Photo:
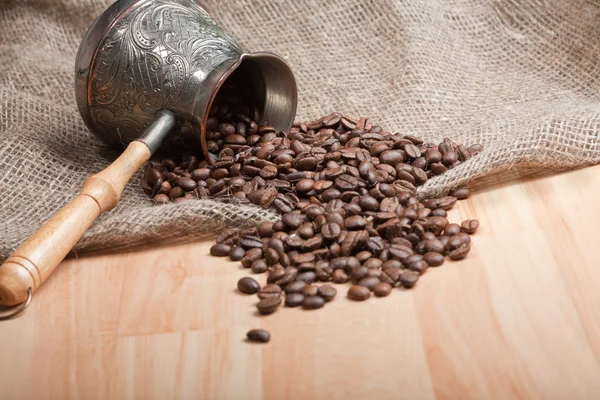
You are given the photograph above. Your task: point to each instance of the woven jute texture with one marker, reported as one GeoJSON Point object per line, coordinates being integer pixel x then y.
{"type": "Point", "coordinates": [520, 77]}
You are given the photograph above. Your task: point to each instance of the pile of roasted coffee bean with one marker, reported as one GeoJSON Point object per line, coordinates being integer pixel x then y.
{"type": "Point", "coordinates": [346, 193]}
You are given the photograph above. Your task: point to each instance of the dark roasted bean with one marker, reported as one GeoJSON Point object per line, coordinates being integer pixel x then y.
{"type": "Point", "coordinates": [313, 302]}
{"type": "Point", "coordinates": [268, 305]}
{"type": "Point", "coordinates": [258, 335]}
{"type": "Point", "coordinates": [220, 250]}
{"type": "Point", "coordinates": [469, 226]}
{"type": "Point", "coordinates": [359, 293]}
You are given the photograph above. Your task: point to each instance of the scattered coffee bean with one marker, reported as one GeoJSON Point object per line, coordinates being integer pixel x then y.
{"type": "Point", "coordinates": [248, 285]}
{"type": "Point", "coordinates": [359, 293]}
{"type": "Point", "coordinates": [269, 291]}
{"type": "Point", "coordinates": [294, 299]}
{"type": "Point", "coordinates": [469, 226]}
{"type": "Point", "coordinates": [220, 250]}
{"type": "Point", "coordinates": [382, 289]}
{"type": "Point", "coordinates": [236, 253]}
{"type": "Point", "coordinates": [258, 335]}
{"type": "Point", "coordinates": [313, 302]}
{"type": "Point", "coordinates": [268, 305]}
{"type": "Point", "coordinates": [327, 292]}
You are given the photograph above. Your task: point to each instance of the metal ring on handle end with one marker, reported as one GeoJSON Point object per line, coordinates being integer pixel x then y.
{"type": "Point", "coordinates": [14, 311]}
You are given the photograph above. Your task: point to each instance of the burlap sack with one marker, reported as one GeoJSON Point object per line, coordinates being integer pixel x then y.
{"type": "Point", "coordinates": [519, 76]}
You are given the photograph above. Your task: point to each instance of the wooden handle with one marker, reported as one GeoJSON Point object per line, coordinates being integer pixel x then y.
{"type": "Point", "coordinates": [36, 259]}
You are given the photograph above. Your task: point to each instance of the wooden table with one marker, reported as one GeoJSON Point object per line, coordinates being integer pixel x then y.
{"type": "Point", "coordinates": [519, 318]}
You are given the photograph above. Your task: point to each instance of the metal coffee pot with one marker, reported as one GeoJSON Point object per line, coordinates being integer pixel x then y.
{"type": "Point", "coordinates": [145, 69]}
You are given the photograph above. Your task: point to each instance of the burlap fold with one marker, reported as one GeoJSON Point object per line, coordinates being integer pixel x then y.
{"type": "Point", "coordinates": [520, 77]}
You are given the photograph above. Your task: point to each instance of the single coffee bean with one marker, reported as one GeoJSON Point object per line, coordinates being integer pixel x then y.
{"type": "Point", "coordinates": [308, 277]}
{"type": "Point", "coordinates": [460, 193]}
{"type": "Point", "coordinates": [269, 291]}
{"type": "Point", "coordinates": [258, 335]}
{"type": "Point", "coordinates": [292, 220]}
{"type": "Point", "coordinates": [434, 246]}
{"type": "Point", "coordinates": [310, 290]}
{"type": "Point", "coordinates": [259, 266]}
{"type": "Point", "coordinates": [382, 289]}
{"type": "Point", "coordinates": [469, 226]}
{"type": "Point", "coordinates": [460, 252]}
{"type": "Point", "coordinates": [339, 276]}
{"type": "Point", "coordinates": [313, 302]}
{"type": "Point", "coordinates": [248, 285]}
{"type": "Point", "coordinates": [271, 256]}
{"type": "Point", "coordinates": [250, 242]}
{"type": "Point", "coordinates": [390, 275]}
{"type": "Point", "coordinates": [236, 253]}
{"type": "Point", "coordinates": [359, 293]}
{"type": "Point", "coordinates": [433, 259]}
{"type": "Point", "coordinates": [409, 278]}
{"type": "Point", "coordinates": [418, 266]}
{"type": "Point", "coordinates": [331, 231]}
{"type": "Point", "coordinates": [268, 305]}
{"type": "Point", "coordinates": [306, 231]}
{"type": "Point", "coordinates": [265, 229]}
{"type": "Point", "coordinates": [355, 222]}
{"type": "Point", "coordinates": [220, 250]}
{"type": "Point", "coordinates": [327, 292]}
{"type": "Point", "coordinates": [452, 229]}
{"type": "Point", "coordinates": [294, 299]}
{"type": "Point", "coordinates": [295, 287]}
{"type": "Point", "coordinates": [369, 282]}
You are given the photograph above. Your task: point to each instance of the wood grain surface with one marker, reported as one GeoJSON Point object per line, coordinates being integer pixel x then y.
{"type": "Point", "coordinates": [518, 319]}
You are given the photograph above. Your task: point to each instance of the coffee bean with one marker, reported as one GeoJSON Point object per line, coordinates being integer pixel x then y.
{"type": "Point", "coordinates": [408, 278]}
{"type": "Point", "coordinates": [295, 287]}
{"type": "Point", "coordinates": [306, 231]}
{"type": "Point", "coordinates": [444, 202]}
{"type": "Point", "coordinates": [391, 157]}
{"type": "Point", "coordinates": [369, 282]}
{"type": "Point", "coordinates": [259, 266]}
{"type": "Point", "coordinates": [355, 222]}
{"type": "Point", "coordinates": [412, 151]}
{"type": "Point", "coordinates": [305, 185]}
{"type": "Point", "coordinates": [313, 302]}
{"type": "Point", "coordinates": [258, 335]}
{"type": "Point", "coordinates": [289, 277]}
{"type": "Point", "coordinates": [452, 229]}
{"type": "Point", "coordinates": [236, 253]}
{"type": "Point", "coordinates": [271, 256]}
{"type": "Point", "coordinates": [294, 299]}
{"type": "Point", "coordinates": [327, 292]}
{"type": "Point", "coordinates": [331, 231]}
{"type": "Point", "coordinates": [250, 242]}
{"type": "Point", "coordinates": [248, 285]}
{"type": "Point", "coordinates": [460, 252]}
{"type": "Point", "coordinates": [339, 276]}
{"type": "Point", "coordinates": [434, 246]}
{"type": "Point", "coordinates": [418, 266]}
{"type": "Point", "coordinates": [449, 158]}
{"type": "Point", "coordinates": [268, 305]}
{"type": "Point", "coordinates": [310, 290]}
{"type": "Point", "coordinates": [460, 193]}
{"type": "Point", "coordinates": [359, 293]}
{"type": "Point", "coordinates": [269, 291]}
{"type": "Point", "coordinates": [382, 289]}
{"type": "Point", "coordinates": [469, 226]}
{"type": "Point", "coordinates": [220, 250]}
{"type": "Point", "coordinates": [433, 259]}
